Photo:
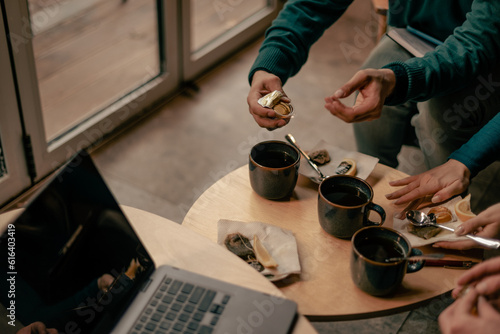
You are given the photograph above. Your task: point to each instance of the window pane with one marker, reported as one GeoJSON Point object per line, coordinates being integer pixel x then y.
{"type": "Point", "coordinates": [88, 54]}
{"type": "Point", "coordinates": [211, 19]}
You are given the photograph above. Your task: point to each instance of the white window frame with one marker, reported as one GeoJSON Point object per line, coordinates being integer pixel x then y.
{"type": "Point", "coordinates": [17, 179]}
{"type": "Point", "coordinates": [194, 64]}
{"type": "Point", "coordinates": [49, 156]}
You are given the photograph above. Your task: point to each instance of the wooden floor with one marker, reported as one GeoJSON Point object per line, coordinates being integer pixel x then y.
{"type": "Point", "coordinates": [102, 52]}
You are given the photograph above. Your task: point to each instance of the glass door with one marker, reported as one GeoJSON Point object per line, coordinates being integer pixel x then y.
{"type": "Point", "coordinates": [74, 71]}
{"type": "Point", "coordinates": [212, 30]}
{"type": "Point", "coordinates": [14, 176]}
{"type": "Point", "coordinates": [84, 68]}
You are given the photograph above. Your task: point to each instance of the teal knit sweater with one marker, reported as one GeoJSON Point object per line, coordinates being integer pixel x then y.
{"type": "Point", "coordinates": [470, 30]}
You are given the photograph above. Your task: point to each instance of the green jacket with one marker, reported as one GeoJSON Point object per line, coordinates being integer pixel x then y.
{"type": "Point", "coordinates": [482, 149]}
{"type": "Point", "coordinates": [471, 50]}
{"type": "Point", "coordinates": [469, 29]}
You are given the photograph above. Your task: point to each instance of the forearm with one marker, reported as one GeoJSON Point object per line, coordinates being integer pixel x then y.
{"type": "Point", "coordinates": [482, 149]}
{"type": "Point", "coordinates": [298, 26]}
{"type": "Point", "coordinates": [473, 49]}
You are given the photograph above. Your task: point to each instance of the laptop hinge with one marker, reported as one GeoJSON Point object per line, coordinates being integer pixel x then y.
{"type": "Point", "coordinates": [30, 158]}
{"type": "Point", "coordinates": [146, 285]}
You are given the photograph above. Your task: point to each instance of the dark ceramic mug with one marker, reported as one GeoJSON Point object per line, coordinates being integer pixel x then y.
{"type": "Point", "coordinates": [370, 272]}
{"type": "Point", "coordinates": [274, 169]}
{"type": "Point", "coordinates": [344, 205]}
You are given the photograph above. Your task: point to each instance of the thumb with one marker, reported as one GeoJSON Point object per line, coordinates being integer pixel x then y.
{"type": "Point", "coordinates": [351, 86]}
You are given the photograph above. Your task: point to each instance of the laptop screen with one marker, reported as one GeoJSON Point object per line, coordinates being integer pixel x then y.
{"type": "Point", "coordinates": [71, 260]}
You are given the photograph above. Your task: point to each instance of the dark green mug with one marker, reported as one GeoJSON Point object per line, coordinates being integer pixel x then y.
{"type": "Point", "coordinates": [274, 169]}
{"type": "Point", "coordinates": [371, 270]}
{"type": "Point", "coordinates": [344, 205]}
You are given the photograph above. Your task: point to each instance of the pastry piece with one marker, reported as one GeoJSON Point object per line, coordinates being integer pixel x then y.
{"type": "Point", "coordinates": [442, 214]}
{"type": "Point", "coordinates": [320, 157]}
{"type": "Point", "coordinates": [346, 167]}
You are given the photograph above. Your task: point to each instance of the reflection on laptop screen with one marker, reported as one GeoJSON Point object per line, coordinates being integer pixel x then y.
{"type": "Point", "coordinates": [77, 260]}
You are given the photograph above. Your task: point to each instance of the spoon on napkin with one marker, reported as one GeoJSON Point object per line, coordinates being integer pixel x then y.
{"type": "Point", "coordinates": [292, 141]}
{"type": "Point", "coordinates": [418, 218]}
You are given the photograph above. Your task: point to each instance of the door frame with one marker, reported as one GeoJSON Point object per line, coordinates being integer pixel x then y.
{"type": "Point", "coordinates": [194, 64]}
{"type": "Point", "coordinates": [49, 156]}
{"type": "Point", "coordinates": [11, 133]}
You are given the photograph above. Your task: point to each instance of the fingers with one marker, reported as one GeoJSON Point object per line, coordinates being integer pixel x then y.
{"type": "Point", "coordinates": [459, 245]}
{"type": "Point", "coordinates": [373, 86]}
{"type": "Point", "coordinates": [457, 316]}
{"type": "Point", "coordinates": [486, 268]}
{"type": "Point", "coordinates": [353, 114]}
{"type": "Point", "coordinates": [357, 81]}
{"type": "Point", "coordinates": [472, 225]}
{"type": "Point", "coordinates": [403, 182]}
{"type": "Point", "coordinates": [412, 191]}
{"type": "Point", "coordinates": [467, 303]}
{"type": "Point", "coordinates": [485, 309]}
{"type": "Point", "coordinates": [489, 285]}
{"type": "Point", "coordinates": [408, 197]}
{"type": "Point", "coordinates": [37, 328]}
{"type": "Point", "coordinates": [454, 188]}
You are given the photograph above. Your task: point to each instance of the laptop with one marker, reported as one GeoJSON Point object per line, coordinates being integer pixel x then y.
{"type": "Point", "coordinates": [73, 261]}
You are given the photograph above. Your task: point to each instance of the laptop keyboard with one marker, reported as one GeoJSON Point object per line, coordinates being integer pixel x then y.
{"type": "Point", "coordinates": [179, 307]}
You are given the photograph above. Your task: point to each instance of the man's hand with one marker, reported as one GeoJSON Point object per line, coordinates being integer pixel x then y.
{"type": "Point", "coordinates": [443, 182]}
{"type": "Point", "coordinates": [264, 83]}
{"type": "Point", "coordinates": [471, 313]}
{"type": "Point", "coordinates": [374, 87]}
{"type": "Point", "coordinates": [484, 277]}
{"type": "Point", "coordinates": [104, 282]}
{"type": "Point", "coordinates": [486, 224]}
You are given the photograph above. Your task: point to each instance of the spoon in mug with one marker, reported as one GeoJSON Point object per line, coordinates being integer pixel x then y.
{"type": "Point", "coordinates": [418, 218]}
{"type": "Point", "coordinates": [433, 256]}
{"type": "Point", "coordinates": [292, 141]}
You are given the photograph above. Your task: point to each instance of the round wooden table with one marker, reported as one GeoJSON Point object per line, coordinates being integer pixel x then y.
{"type": "Point", "coordinates": [163, 238]}
{"type": "Point", "coordinates": [324, 290]}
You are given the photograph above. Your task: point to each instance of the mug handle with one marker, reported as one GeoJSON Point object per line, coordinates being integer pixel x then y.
{"type": "Point", "coordinates": [415, 266]}
{"type": "Point", "coordinates": [379, 210]}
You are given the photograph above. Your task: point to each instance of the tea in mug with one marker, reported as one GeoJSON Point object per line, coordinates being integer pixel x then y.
{"type": "Point", "coordinates": [274, 159]}
{"type": "Point", "coordinates": [379, 249]}
{"type": "Point", "coordinates": [346, 196]}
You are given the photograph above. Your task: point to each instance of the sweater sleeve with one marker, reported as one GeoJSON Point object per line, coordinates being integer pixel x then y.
{"type": "Point", "coordinates": [298, 26]}
{"type": "Point", "coordinates": [482, 149]}
{"type": "Point", "coordinates": [473, 49]}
